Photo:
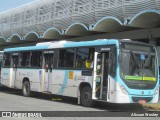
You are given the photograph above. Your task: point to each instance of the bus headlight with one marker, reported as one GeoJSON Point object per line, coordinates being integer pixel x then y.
{"type": "Point", "coordinates": [157, 91]}
{"type": "Point", "coordinates": [123, 89]}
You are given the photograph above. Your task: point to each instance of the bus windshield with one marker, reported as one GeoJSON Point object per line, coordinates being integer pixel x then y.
{"type": "Point", "coordinates": [138, 68]}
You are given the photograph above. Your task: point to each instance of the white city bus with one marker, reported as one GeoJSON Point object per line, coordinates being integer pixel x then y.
{"type": "Point", "coordinates": [114, 71]}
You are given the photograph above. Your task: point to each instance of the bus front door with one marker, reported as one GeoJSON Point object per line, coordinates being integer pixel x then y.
{"type": "Point", "coordinates": [100, 80]}
{"type": "Point", "coordinates": [48, 71]}
{"type": "Point", "coordinates": [14, 71]}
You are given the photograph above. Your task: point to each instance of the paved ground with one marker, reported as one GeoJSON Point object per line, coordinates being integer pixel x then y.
{"type": "Point", "coordinates": [12, 100]}
{"type": "Point", "coordinates": [43, 102]}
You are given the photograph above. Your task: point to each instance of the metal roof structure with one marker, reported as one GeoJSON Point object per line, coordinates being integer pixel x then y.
{"type": "Point", "coordinates": [60, 19]}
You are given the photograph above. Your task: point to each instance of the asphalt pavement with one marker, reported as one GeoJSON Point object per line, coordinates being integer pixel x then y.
{"type": "Point", "coordinates": [13, 100]}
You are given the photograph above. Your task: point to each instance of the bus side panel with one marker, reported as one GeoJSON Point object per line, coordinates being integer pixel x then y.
{"type": "Point", "coordinates": [66, 82]}
{"type": "Point", "coordinates": [6, 76]}
{"type": "Point", "coordinates": [75, 78]}
{"type": "Point", "coordinates": [71, 84]}
{"type": "Point", "coordinates": [57, 82]}
{"type": "Point", "coordinates": [33, 75]}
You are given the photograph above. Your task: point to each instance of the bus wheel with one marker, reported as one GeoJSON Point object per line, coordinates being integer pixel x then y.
{"type": "Point", "coordinates": [86, 96]}
{"type": "Point", "coordinates": [26, 89]}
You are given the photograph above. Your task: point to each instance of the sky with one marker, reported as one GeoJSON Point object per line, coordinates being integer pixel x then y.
{"type": "Point", "coordinates": [9, 4]}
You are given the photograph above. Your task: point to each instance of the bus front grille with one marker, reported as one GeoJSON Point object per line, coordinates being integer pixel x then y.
{"type": "Point", "coordinates": [147, 99]}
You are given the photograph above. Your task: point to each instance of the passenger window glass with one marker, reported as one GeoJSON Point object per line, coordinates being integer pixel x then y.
{"type": "Point", "coordinates": [7, 60]}
{"type": "Point", "coordinates": [66, 58]}
{"type": "Point", "coordinates": [25, 59]}
{"type": "Point", "coordinates": [49, 60]}
{"type": "Point", "coordinates": [15, 60]}
{"type": "Point", "coordinates": [36, 59]}
{"type": "Point", "coordinates": [81, 57]}
{"type": "Point", "coordinates": [84, 57]}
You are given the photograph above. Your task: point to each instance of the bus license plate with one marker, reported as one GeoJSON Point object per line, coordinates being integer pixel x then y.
{"type": "Point", "coordinates": [142, 101]}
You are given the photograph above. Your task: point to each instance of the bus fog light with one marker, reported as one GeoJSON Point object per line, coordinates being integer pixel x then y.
{"type": "Point", "coordinates": [123, 90]}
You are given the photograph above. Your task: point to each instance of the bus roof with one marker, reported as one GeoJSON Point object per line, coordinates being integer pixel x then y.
{"type": "Point", "coordinates": [84, 43]}
{"type": "Point", "coordinates": [52, 45]}
{"type": "Point", "coordinates": [69, 44]}
{"type": "Point", "coordinates": [26, 48]}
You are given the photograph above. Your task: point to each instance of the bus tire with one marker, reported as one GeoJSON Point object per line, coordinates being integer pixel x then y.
{"type": "Point", "coordinates": [26, 89]}
{"type": "Point", "coordinates": [86, 97]}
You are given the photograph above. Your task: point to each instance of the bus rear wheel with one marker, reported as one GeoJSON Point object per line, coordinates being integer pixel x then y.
{"type": "Point", "coordinates": [26, 89]}
{"type": "Point", "coordinates": [86, 97]}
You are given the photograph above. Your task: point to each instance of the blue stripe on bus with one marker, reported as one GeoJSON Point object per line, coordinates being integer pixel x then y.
{"type": "Point", "coordinates": [26, 48]}
{"type": "Point", "coordinates": [64, 84]}
{"type": "Point", "coordinates": [70, 44]}
{"type": "Point", "coordinates": [111, 42]}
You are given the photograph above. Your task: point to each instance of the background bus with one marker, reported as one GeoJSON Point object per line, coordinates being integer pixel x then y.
{"type": "Point", "coordinates": [114, 71]}
{"type": "Point", "coordinates": [1, 59]}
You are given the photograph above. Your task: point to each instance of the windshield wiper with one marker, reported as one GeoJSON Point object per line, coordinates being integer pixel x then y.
{"type": "Point", "coordinates": [135, 62]}
{"type": "Point", "coordinates": [148, 61]}
{"type": "Point", "coordinates": [134, 59]}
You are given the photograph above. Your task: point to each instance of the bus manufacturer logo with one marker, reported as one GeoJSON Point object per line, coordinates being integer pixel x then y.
{"type": "Point", "coordinates": [105, 49]}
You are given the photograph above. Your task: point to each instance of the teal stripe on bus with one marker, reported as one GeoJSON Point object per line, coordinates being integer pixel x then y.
{"type": "Point", "coordinates": [64, 84]}
{"type": "Point", "coordinates": [26, 48]}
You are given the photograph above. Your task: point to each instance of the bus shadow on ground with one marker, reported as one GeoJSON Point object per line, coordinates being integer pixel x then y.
{"type": "Point", "coordinates": [69, 100]}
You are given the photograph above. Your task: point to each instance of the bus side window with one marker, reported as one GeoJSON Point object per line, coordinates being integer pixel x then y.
{"type": "Point", "coordinates": [91, 56]}
{"type": "Point", "coordinates": [66, 58]}
{"type": "Point", "coordinates": [81, 57]}
{"type": "Point", "coordinates": [6, 62]}
{"type": "Point", "coordinates": [15, 61]}
{"type": "Point", "coordinates": [48, 60]}
{"type": "Point", "coordinates": [84, 58]}
{"type": "Point", "coordinates": [61, 58]}
{"type": "Point", "coordinates": [25, 59]}
{"type": "Point", "coordinates": [36, 59]}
